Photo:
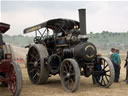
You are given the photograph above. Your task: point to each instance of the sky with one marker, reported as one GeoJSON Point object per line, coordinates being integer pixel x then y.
{"type": "Point", "coordinates": [101, 15]}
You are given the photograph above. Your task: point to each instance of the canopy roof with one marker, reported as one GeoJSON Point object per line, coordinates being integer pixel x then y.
{"type": "Point", "coordinates": [4, 27]}
{"type": "Point", "coordinates": [58, 25]}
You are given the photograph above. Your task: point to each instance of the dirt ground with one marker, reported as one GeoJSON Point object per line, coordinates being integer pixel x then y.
{"type": "Point", "coordinates": [54, 88]}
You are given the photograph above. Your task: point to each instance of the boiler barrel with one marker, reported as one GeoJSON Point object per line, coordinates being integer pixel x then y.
{"type": "Point", "coordinates": [85, 51]}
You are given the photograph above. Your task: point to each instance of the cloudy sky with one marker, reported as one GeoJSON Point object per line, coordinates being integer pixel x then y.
{"type": "Point", "coordinates": [101, 15]}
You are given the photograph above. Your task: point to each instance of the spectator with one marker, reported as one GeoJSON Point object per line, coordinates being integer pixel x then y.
{"type": "Point", "coordinates": [116, 62]}
{"type": "Point", "coordinates": [126, 66]}
{"type": "Point", "coordinates": [98, 68]}
{"type": "Point", "coordinates": [112, 52]}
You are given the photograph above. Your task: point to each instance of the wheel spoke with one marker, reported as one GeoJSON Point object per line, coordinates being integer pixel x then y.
{"type": "Point", "coordinates": [103, 80]}
{"type": "Point", "coordinates": [103, 63]}
{"type": "Point", "coordinates": [66, 82]}
{"type": "Point", "coordinates": [107, 71]}
{"type": "Point", "coordinates": [106, 78]}
{"type": "Point", "coordinates": [71, 69]}
{"type": "Point", "coordinates": [70, 84]}
{"type": "Point", "coordinates": [35, 58]}
{"type": "Point", "coordinates": [73, 74]}
{"type": "Point", "coordinates": [107, 75]}
{"type": "Point", "coordinates": [105, 66]}
{"type": "Point", "coordinates": [31, 63]}
{"type": "Point", "coordinates": [38, 74]}
{"type": "Point", "coordinates": [65, 67]}
{"type": "Point", "coordinates": [32, 70]}
{"type": "Point", "coordinates": [65, 77]}
{"type": "Point", "coordinates": [65, 72]}
{"type": "Point", "coordinates": [38, 60]}
{"type": "Point", "coordinates": [68, 66]}
{"type": "Point", "coordinates": [31, 66]}
{"type": "Point", "coordinates": [34, 51]}
{"type": "Point", "coordinates": [34, 76]}
{"type": "Point", "coordinates": [38, 68]}
{"type": "Point", "coordinates": [72, 81]}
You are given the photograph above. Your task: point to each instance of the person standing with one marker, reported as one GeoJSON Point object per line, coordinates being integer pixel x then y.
{"type": "Point", "coordinates": [126, 66]}
{"type": "Point", "coordinates": [112, 52]}
{"type": "Point", "coordinates": [117, 64]}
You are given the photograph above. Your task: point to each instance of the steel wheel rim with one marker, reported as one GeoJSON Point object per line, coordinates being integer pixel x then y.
{"type": "Point", "coordinates": [68, 75]}
{"type": "Point", "coordinates": [34, 64]}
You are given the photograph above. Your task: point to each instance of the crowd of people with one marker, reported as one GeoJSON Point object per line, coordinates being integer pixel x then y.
{"type": "Point", "coordinates": [116, 60]}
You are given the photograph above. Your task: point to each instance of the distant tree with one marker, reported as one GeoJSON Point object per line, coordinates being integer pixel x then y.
{"type": "Point", "coordinates": [91, 32]}
{"type": "Point", "coordinates": [20, 35]}
{"type": "Point", "coordinates": [104, 32]}
{"type": "Point", "coordinates": [6, 36]}
{"type": "Point", "coordinates": [110, 33]}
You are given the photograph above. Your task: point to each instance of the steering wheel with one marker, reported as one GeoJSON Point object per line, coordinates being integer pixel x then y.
{"type": "Point", "coordinates": [37, 39]}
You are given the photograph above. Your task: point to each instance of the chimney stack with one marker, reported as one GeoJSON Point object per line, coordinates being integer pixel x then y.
{"type": "Point", "coordinates": [82, 19]}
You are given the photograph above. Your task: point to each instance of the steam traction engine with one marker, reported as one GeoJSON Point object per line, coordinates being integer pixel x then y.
{"type": "Point", "coordinates": [10, 72]}
{"type": "Point", "coordinates": [63, 49]}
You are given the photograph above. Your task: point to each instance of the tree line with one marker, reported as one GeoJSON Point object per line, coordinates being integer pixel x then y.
{"type": "Point", "coordinates": [104, 40]}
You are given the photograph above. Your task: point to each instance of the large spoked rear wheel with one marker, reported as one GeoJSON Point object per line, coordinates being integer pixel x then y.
{"type": "Point", "coordinates": [106, 76]}
{"type": "Point", "coordinates": [37, 70]}
{"type": "Point", "coordinates": [70, 75]}
{"type": "Point", "coordinates": [15, 79]}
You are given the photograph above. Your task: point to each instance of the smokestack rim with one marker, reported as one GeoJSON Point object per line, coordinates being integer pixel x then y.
{"type": "Point", "coordinates": [82, 9]}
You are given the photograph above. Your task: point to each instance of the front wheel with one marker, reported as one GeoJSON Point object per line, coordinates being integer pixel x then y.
{"type": "Point", "coordinates": [70, 75]}
{"type": "Point", "coordinates": [104, 72]}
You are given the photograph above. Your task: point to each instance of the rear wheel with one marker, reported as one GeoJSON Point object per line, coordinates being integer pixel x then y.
{"type": "Point", "coordinates": [37, 70]}
{"type": "Point", "coordinates": [70, 75]}
{"type": "Point", "coordinates": [106, 74]}
{"type": "Point", "coordinates": [15, 79]}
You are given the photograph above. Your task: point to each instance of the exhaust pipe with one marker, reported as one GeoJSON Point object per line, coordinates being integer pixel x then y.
{"type": "Point", "coordinates": [82, 19]}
